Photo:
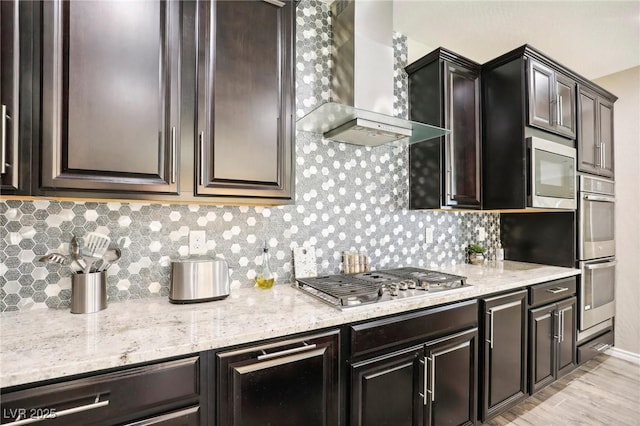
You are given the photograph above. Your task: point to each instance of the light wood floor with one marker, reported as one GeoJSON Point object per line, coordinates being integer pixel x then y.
{"type": "Point", "coordinates": [604, 391]}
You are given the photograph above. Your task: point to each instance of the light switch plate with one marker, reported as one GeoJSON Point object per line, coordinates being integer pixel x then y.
{"type": "Point", "coordinates": [304, 262]}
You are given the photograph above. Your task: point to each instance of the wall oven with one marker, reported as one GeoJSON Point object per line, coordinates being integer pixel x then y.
{"type": "Point", "coordinates": [596, 251]}
{"type": "Point", "coordinates": [552, 174]}
{"type": "Point", "coordinates": [596, 222]}
{"type": "Point", "coordinates": [597, 292]}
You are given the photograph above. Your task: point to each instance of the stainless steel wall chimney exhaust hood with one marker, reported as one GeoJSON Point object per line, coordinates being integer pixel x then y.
{"type": "Point", "coordinates": [361, 107]}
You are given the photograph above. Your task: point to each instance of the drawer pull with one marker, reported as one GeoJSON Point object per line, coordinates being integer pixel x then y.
{"type": "Point", "coordinates": [306, 347]}
{"type": "Point", "coordinates": [602, 347]}
{"type": "Point", "coordinates": [557, 290]}
{"type": "Point", "coordinates": [275, 2]}
{"type": "Point", "coordinates": [92, 406]}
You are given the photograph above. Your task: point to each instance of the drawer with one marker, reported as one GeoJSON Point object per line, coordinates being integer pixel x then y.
{"type": "Point", "coordinates": [593, 347]}
{"type": "Point", "coordinates": [552, 291]}
{"type": "Point", "coordinates": [108, 398]}
{"type": "Point", "coordinates": [414, 327]}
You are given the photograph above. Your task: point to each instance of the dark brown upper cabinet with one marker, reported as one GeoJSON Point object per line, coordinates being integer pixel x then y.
{"type": "Point", "coordinates": [444, 90]}
{"type": "Point", "coordinates": [15, 150]}
{"type": "Point", "coordinates": [595, 133]}
{"type": "Point", "coordinates": [551, 100]}
{"type": "Point", "coordinates": [245, 99]}
{"type": "Point", "coordinates": [526, 94]}
{"type": "Point", "coordinates": [110, 96]}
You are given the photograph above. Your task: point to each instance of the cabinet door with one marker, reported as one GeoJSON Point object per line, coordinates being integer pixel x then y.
{"type": "Point", "coordinates": [605, 133]}
{"type": "Point", "coordinates": [588, 132]}
{"type": "Point", "coordinates": [451, 379]}
{"type": "Point", "coordinates": [9, 106]}
{"type": "Point", "coordinates": [245, 99]}
{"type": "Point", "coordinates": [567, 314]}
{"type": "Point", "coordinates": [543, 334]}
{"type": "Point", "coordinates": [110, 96]}
{"type": "Point", "coordinates": [565, 95]}
{"type": "Point", "coordinates": [386, 390]}
{"type": "Point", "coordinates": [462, 116]}
{"type": "Point", "coordinates": [541, 96]}
{"type": "Point", "coordinates": [288, 383]}
{"type": "Point", "coordinates": [504, 367]}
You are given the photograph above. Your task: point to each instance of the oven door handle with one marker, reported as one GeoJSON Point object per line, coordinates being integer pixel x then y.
{"type": "Point", "coordinates": [599, 198]}
{"type": "Point", "coordinates": [602, 265]}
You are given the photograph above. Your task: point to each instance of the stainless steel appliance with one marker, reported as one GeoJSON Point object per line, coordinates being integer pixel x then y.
{"type": "Point", "coordinates": [552, 174]}
{"type": "Point", "coordinates": [347, 291]}
{"type": "Point", "coordinates": [198, 279]}
{"type": "Point", "coordinates": [596, 251]}
{"type": "Point", "coordinates": [596, 222]}
{"type": "Point", "coordinates": [597, 292]}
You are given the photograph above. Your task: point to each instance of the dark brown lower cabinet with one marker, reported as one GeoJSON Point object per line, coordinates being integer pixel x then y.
{"type": "Point", "coordinates": [286, 383]}
{"type": "Point", "coordinates": [552, 342]}
{"type": "Point", "coordinates": [166, 393]}
{"type": "Point", "coordinates": [503, 357]}
{"type": "Point", "coordinates": [415, 369]}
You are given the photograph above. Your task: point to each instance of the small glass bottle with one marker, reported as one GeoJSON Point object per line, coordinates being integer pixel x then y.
{"type": "Point", "coordinates": [500, 253]}
{"type": "Point", "coordinates": [264, 276]}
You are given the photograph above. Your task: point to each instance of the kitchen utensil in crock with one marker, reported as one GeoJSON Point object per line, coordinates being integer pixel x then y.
{"type": "Point", "coordinates": [110, 257]}
{"type": "Point", "coordinates": [96, 245]}
{"type": "Point", "coordinates": [54, 258]}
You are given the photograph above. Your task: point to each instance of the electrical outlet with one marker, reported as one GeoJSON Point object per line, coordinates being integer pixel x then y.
{"type": "Point", "coordinates": [197, 242]}
{"type": "Point", "coordinates": [428, 235]}
{"type": "Point", "coordinates": [482, 234]}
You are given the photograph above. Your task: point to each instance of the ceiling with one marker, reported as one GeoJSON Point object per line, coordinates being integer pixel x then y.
{"type": "Point", "coordinates": [593, 38]}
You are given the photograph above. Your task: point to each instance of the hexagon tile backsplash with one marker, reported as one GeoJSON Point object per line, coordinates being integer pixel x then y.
{"type": "Point", "coordinates": [347, 198]}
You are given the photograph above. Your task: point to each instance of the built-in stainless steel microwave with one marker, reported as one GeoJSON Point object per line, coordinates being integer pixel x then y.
{"type": "Point", "coordinates": [552, 174]}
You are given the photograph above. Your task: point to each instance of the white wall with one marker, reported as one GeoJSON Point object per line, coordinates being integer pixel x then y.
{"type": "Point", "coordinates": [626, 85]}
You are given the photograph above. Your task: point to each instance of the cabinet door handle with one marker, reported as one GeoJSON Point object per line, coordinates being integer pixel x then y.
{"type": "Point", "coordinates": [557, 290]}
{"type": "Point", "coordinates": [431, 389]}
{"type": "Point", "coordinates": [87, 407]}
{"type": "Point", "coordinates": [174, 155]}
{"type": "Point", "coordinates": [490, 341]}
{"type": "Point", "coordinates": [560, 110]}
{"type": "Point", "coordinates": [603, 158]}
{"type": "Point", "coordinates": [425, 389]}
{"type": "Point", "coordinates": [201, 149]}
{"type": "Point", "coordinates": [561, 326]}
{"type": "Point", "coordinates": [275, 2]}
{"type": "Point", "coordinates": [306, 347]}
{"type": "Point", "coordinates": [3, 139]}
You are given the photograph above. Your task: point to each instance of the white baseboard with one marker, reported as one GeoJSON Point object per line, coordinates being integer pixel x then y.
{"type": "Point", "coordinates": [626, 355]}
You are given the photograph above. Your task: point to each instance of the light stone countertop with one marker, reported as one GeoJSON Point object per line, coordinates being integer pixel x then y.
{"type": "Point", "coordinates": [50, 343]}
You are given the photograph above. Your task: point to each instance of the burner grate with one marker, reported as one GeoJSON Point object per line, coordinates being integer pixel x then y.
{"type": "Point", "coordinates": [345, 289]}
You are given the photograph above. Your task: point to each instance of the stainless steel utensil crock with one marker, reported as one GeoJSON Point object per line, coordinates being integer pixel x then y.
{"type": "Point", "coordinates": [88, 292]}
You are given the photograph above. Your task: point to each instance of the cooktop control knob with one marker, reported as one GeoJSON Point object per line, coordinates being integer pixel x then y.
{"type": "Point", "coordinates": [393, 289]}
{"type": "Point", "coordinates": [403, 285]}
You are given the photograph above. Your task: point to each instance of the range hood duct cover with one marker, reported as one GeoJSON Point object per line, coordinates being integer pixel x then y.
{"type": "Point", "coordinates": [361, 106]}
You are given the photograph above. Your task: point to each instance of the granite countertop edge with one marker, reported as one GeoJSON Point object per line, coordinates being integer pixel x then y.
{"type": "Point", "coordinates": [47, 344]}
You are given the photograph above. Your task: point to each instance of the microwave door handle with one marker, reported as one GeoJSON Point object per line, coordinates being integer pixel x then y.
{"type": "Point", "coordinates": [599, 198]}
{"type": "Point", "coordinates": [601, 265]}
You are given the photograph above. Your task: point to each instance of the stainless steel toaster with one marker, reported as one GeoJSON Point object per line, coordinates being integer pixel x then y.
{"type": "Point", "coordinates": [198, 279]}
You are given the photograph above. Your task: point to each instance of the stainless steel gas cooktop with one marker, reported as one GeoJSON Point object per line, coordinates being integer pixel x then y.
{"type": "Point", "coordinates": [345, 291]}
